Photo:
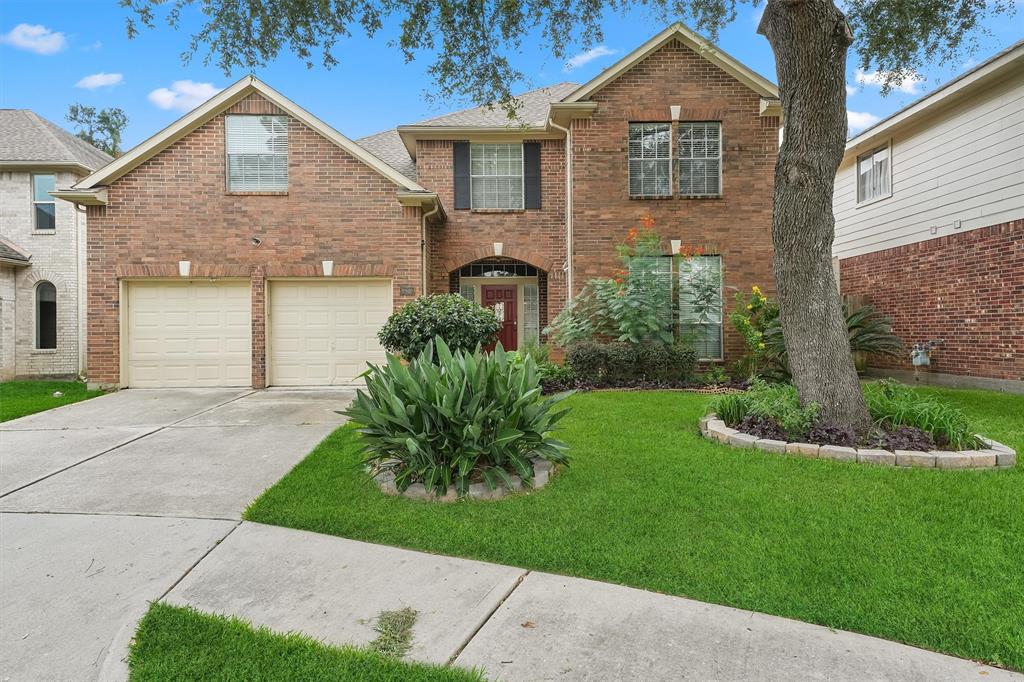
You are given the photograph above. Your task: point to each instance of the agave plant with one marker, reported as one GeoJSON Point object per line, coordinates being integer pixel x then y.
{"type": "Point", "coordinates": [447, 420]}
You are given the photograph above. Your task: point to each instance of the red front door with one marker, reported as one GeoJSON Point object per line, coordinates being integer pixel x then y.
{"type": "Point", "coordinates": [503, 299]}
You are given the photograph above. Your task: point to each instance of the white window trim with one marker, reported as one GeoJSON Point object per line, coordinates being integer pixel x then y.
{"type": "Point", "coordinates": [522, 178]}
{"type": "Point", "coordinates": [721, 159]}
{"type": "Point", "coordinates": [671, 161]}
{"type": "Point", "coordinates": [287, 156]}
{"type": "Point", "coordinates": [35, 202]}
{"type": "Point", "coordinates": [856, 175]}
{"type": "Point", "coordinates": [36, 320]}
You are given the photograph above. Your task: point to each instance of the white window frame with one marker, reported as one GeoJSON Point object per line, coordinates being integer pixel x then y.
{"type": "Point", "coordinates": [721, 302]}
{"type": "Point", "coordinates": [679, 159]}
{"type": "Point", "coordinates": [228, 154]}
{"type": "Point", "coordinates": [630, 158]}
{"type": "Point", "coordinates": [36, 202]}
{"type": "Point", "coordinates": [521, 176]}
{"type": "Point", "coordinates": [861, 201]}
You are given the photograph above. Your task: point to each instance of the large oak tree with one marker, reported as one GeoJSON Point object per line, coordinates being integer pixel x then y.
{"type": "Point", "coordinates": [472, 43]}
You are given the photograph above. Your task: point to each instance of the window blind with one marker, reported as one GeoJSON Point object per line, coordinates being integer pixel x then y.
{"type": "Point", "coordinates": [257, 148]}
{"type": "Point", "coordinates": [700, 159]}
{"type": "Point", "coordinates": [531, 310]}
{"type": "Point", "coordinates": [496, 175]}
{"type": "Point", "coordinates": [873, 175]}
{"type": "Point", "coordinates": [700, 304]}
{"type": "Point", "coordinates": [650, 159]}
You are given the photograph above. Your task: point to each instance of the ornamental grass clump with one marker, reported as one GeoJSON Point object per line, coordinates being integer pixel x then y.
{"type": "Point", "coordinates": [450, 419]}
{"type": "Point", "coordinates": [893, 405]}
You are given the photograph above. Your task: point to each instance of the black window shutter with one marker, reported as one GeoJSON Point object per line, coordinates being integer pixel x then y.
{"type": "Point", "coordinates": [531, 174]}
{"type": "Point", "coordinates": [461, 165]}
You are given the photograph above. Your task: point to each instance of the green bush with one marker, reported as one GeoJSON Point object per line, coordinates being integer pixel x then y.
{"type": "Point", "coordinates": [460, 322]}
{"type": "Point", "coordinates": [448, 420]}
{"type": "Point", "coordinates": [778, 402]}
{"type": "Point", "coordinates": [622, 364]}
{"type": "Point", "coordinates": [893, 404]}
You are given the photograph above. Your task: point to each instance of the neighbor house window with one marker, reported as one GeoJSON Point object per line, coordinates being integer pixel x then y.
{"type": "Point", "coordinates": [700, 159]}
{"type": "Point", "coordinates": [650, 159]}
{"type": "Point", "coordinates": [700, 304]}
{"type": "Point", "coordinates": [46, 316]}
{"type": "Point", "coordinates": [496, 175]}
{"type": "Point", "coordinates": [257, 153]}
{"type": "Point", "coordinates": [44, 206]}
{"type": "Point", "coordinates": [873, 175]}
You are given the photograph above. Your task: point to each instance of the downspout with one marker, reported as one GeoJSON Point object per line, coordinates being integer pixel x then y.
{"type": "Point", "coordinates": [81, 294]}
{"type": "Point", "coordinates": [423, 244]}
{"type": "Point", "coordinates": [568, 206]}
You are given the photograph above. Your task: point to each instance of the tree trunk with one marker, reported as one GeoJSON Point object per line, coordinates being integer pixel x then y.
{"type": "Point", "coordinates": [810, 39]}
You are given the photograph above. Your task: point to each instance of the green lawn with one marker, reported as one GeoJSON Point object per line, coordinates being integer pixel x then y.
{"type": "Point", "coordinates": [19, 398]}
{"type": "Point", "coordinates": [933, 558]}
{"type": "Point", "coordinates": [174, 643]}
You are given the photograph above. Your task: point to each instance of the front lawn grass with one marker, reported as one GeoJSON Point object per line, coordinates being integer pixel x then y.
{"type": "Point", "coordinates": [20, 398]}
{"type": "Point", "coordinates": [175, 643]}
{"type": "Point", "coordinates": [932, 558]}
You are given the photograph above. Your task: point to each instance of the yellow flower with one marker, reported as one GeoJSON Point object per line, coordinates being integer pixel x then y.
{"type": "Point", "coordinates": [760, 346]}
{"type": "Point", "coordinates": [750, 306]}
{"type": "Point", "coordinates": [756, 289]}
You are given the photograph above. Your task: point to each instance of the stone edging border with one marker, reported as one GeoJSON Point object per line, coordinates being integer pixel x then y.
{"type": "Point", "coordinates": [996, 456]}
{"type": "Point", "coordinates": [542, 473]}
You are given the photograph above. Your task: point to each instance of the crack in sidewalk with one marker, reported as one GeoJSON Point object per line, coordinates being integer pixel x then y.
{"type": "Point", "coordinates": [486, 619]}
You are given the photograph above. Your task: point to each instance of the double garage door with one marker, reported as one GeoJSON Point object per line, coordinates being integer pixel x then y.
{"type": "Point", "coordinates": [199, 333]}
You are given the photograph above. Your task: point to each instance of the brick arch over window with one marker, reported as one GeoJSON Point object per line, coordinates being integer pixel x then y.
{"type": "Point", "coordinates": [454, 278]}
{"type": "Point", "coordinates": [509, 251]}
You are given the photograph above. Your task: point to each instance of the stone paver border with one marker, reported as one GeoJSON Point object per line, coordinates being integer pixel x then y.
{"type": "Point", "coordinates": [542, 473]}
{"type": "Point", "coordinates": [995, 456]}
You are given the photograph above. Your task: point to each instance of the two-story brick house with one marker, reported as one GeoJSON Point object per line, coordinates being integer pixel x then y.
{"type": "Point", "coordinates": [251, 244]}
{"type": "Point", "coordinates": [42, 247]}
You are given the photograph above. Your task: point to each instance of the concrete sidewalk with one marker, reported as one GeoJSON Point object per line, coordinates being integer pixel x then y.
{"type": "Point", "coordinates": [522, 625]}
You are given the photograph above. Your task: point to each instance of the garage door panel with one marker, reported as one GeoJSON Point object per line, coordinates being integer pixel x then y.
{"type": "Point", "coordinates": [324, 332]}
{"type": "Point", "coordinates": [187, 334]}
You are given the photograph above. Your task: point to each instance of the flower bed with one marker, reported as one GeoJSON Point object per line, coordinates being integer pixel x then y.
{"type": "Point", "coordinates": [996, 455]}
{"type": "Point", "coordinates": [542, 473]}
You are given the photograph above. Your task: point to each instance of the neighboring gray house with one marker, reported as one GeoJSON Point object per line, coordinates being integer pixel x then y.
{"type": "Point", "coordinates": [42, 247]}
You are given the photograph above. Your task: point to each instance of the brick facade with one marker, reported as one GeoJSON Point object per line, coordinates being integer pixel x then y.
{"type": "Point", "coordinates": [966, 289]}
{"type": "Point", "coordinates": [175, 207]}
{"type": "Point", "coordinates": [736, 226]}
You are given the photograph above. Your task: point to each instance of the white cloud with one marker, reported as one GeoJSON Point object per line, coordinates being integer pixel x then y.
{"type": "Point", "coordinates": [183, 95]}
{"type": "Point", "coordinates": [859, 120]}
{"type": "Point", "coordinates": [909, 85]}
{"type": "Point", "coordinates": [100, 80]}
{"type": "Point", "coordinates": [93, 46]}
{"type": "Point", "coordinates": [34, 38]}
{"type": "Point", "coordinates": [850, 90]}
{"type": "Point", "coordinates": [584, 58]}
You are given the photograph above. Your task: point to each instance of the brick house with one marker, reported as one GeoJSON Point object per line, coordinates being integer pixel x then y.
{"type": "Point", "coordinates": [251, 244]}
{"type": "Point", "coordinates": [929, 207]}
{"type": "Point", "coordinates": [42, 247]}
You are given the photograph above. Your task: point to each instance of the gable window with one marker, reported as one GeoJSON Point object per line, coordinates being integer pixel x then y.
{"type": "Point", "coordinates": [650, 159]}
{"type": "Point", "coordinates": [46, 316]}
{"type": "Point", "coordinates": [257, 149]}
{"type": "Point", "coordinates": [44, 207]}
{"type": "Point", "coordinates": [700, 159]}
{"type": "Point", "coordinates": [700, 304]}
{"type": "Point", "coordinates": [496, 175]}
{"type": "Point", "coordinates": [873, 175]}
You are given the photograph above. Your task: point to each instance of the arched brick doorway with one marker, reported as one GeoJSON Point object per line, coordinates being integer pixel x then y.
{"type": "Point", "coordinates": [516, 289]}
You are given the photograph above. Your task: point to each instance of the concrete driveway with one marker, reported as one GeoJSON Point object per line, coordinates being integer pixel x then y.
{"type": "Point", "coordinates": [106, 504]}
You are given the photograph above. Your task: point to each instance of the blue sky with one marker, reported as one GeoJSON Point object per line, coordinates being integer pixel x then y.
{"type": "Point", "coordinates": [63, 51]}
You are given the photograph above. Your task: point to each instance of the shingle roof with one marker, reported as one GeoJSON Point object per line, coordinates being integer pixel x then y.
{"type": "Point", "coordinates": [26, 136]}
{"type": "Point", "coordinates": [388, 146]}
{"type": "Point", "coordinates": [9, 251]}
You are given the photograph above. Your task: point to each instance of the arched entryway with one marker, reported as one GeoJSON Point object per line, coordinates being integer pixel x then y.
{"type": "Point", "coordinates": [517, 290]}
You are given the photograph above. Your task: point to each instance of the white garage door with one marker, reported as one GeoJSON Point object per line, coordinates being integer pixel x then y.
{"type": "Point", "coordinates": [322, 333]}
{"type": "Point", "coordinates": [189, 334]}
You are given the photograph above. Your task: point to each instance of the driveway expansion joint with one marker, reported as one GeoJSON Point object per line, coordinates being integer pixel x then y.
{"type": "Point", "coordinates": [483, 621]}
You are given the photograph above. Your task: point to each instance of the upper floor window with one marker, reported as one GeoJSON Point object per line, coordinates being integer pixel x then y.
{"type": "Point", "coordinates": [44, 206]}
{"type": "Point", "coordinates": [257, 148]}
{"type": "Point", "coordinates": [873, 175]}
{"type": "Point", "coordinates": [46, 316]}
{"type": "Point", "coordinates": [496, 175]}
{"type": "Point", "coordinates": [700, 159]}
{"type": "Point", "coordinates": [650, 159]}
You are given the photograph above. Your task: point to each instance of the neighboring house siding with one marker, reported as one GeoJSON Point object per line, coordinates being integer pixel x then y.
{"type": "Point", "coordinates": [57, 257]}
{"type": "Point", "coordinates": [736, 226]}
{"type": "Point", "coordinates": [175, 207]}
{"type": "Point", "coordinates": [536, 236]}
{"type": "Point", "coordinates": [964, 164]}
{"type": "Point", "coordinates": [965, 288]}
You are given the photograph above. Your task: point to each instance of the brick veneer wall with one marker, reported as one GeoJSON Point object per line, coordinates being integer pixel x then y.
{"type": "Point", "coordinates": [736, 226]}
{"type": "Point", "coordinates": [175, 207]}
{"type": "Point", "coordinates": [536, 236]}
{"type": "Point", "coordinates": [966, 288]}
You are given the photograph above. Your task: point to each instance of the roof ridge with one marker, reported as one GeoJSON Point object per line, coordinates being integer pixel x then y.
{"type": "Point", "coordinates": [46, 129]}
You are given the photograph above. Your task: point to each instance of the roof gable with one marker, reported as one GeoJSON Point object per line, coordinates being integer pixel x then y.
{"type": "Point", "coordinates": [219, 104]}
{"type": "Point", "coordinates": [704, 48]}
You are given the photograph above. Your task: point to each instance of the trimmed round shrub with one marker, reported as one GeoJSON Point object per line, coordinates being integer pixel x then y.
{"type": "Point", "coordinates": [449, 419]}
{"type": "Point", "coordinates": [460, 322]}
